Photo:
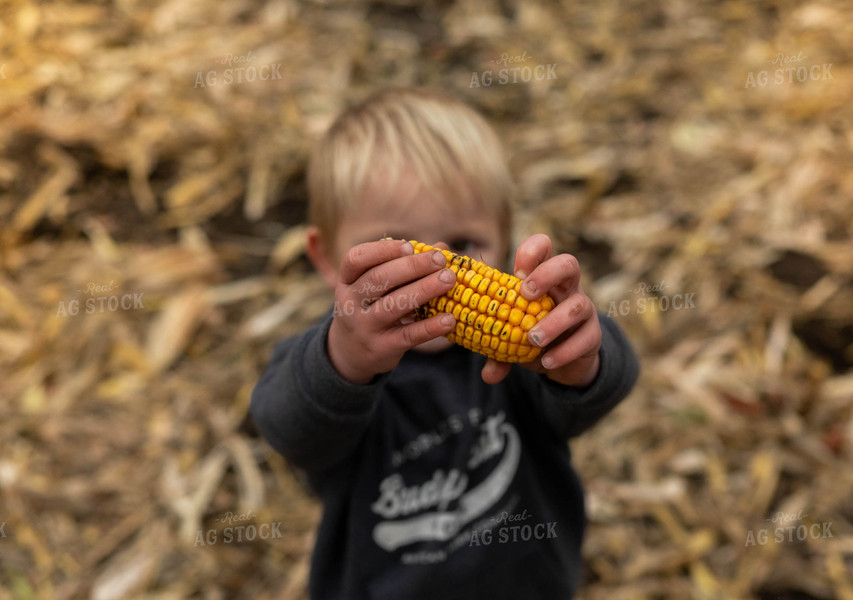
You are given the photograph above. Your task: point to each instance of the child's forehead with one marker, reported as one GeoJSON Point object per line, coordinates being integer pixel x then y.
{"type": "Point", "coordinates": [409, 202]}
{"type": "Point", "coordinates": [402, 193]}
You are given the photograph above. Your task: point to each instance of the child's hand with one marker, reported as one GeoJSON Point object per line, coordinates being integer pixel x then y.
{"type": "Point", "coordinates": [570, 334]}
{"type": "Point", "coordinates": [378, 284]}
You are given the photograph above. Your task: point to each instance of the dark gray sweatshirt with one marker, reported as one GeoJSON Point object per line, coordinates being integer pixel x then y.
{"type": "Point", "coordinates": [434, 484]}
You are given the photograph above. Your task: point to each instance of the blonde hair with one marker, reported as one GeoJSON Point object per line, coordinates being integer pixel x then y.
{"type": "Point", "coordinates": [451, 148]}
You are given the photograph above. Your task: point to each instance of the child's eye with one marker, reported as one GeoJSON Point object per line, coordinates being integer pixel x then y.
{"type": "Point", "coordinates": [465, 246]}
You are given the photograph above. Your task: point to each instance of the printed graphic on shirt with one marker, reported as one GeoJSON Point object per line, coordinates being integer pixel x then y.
{"type": "Point", "coordinates": [418, 512]}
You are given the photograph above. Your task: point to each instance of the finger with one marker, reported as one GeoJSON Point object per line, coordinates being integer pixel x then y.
{"type": "Point", "coordinates": [531, 253]}
{"type": "Point", "coordinates": [408, 336]}
{"type": "Point", "coordinates": [559, 274]}
{"type": "Point", "coordinates": [390, 275]}
{"type": "Point", "coordinates": [494, 372]}
{"type": "Point", "coordinates": [586, 341]}
{"type": "Point", "coordinates": [441, 246]}
{"type": "Point", "coordinates": [563, 319]}
{"type": "Point", "coordinates": [402, 301]}
{"type": "Point", "coordinates": [363, 257]}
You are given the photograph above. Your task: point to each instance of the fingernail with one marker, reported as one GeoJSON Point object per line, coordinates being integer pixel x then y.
{"type": "Point", "coordinates": [531, 287]}
{"type": "Point", "coordinates": [547, 362]}
{"type": "Point", "coordinates": [438, 258]}
{"type": "Point", "coordinates": [406, 247]}
{"type": "Point", "coordinates": [446, 320]}
{"type": "Point", "coordinates": [535, 336]}
{"type": "Point", "coordinates": [521, 274]}
{"type": "Point", "coordinates": [446, 276]}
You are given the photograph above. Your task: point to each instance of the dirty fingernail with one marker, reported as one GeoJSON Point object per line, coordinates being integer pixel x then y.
{"type": "Point", "coordinates": [446, 276]}
{"type": "Point", "coordinates": [535, 336]}
{"type": "Point", "coordinates": [438, 258]}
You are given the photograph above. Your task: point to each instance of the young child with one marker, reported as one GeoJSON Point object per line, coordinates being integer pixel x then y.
{"type": "Point", "coordinates": [443, 475]}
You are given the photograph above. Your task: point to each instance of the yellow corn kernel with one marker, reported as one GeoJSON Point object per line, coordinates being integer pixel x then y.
{"type": "Point", "coordinates": [528, 321]}
{"type": "Point", "coordinates": [487, 325]}
{"type": "Point", "coordinates": [503, 312]}
{"type": "Point", "coordinates": [483, 286]}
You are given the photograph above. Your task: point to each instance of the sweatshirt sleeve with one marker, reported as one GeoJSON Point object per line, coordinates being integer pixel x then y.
{"type": "Point", "coordinates": [571, 410]}
{"type": "Point", "coordinates": [305, 409]}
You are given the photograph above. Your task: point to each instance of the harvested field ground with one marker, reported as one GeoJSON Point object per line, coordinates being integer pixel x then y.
{"type": "Point", "coordinates": [151, 253]}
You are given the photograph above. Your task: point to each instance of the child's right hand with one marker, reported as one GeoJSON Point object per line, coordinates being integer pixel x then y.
{"type": "Point", "coordinates": [378, 284]}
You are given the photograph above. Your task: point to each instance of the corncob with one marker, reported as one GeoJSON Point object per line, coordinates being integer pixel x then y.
{"type": "Point", "coordinates": [492, 317]}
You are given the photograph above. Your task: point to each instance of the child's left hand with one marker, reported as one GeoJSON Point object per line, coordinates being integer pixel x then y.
{"type": "Point", "coordinates": [570, 334]}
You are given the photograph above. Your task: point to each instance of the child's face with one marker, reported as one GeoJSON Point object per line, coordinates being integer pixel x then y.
{"type": "Point", "coordinates": [415, 214]}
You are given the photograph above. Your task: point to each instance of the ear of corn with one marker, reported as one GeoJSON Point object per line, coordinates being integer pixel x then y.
{"type": "Point", "coordinates": [492, 317]}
